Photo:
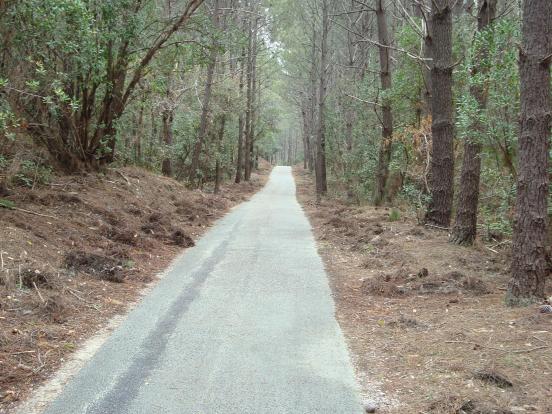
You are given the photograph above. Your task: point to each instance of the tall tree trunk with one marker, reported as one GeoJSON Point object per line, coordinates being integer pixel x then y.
{"type": "Point", "coordinates": [249, 100]}
{"type": "Point", "coordinates": [249, 158]}
{"type": "Point", "coordinates": [321, 178]}
{"type": "Point", "coordinates": [465, 226]}
{"type": "Point", "coordinates": [218, 168]}
{"type": "Point", "coordinates": [441, 178]}
{"type": "Point", "coordinates": [382, 172]}
{"type": "Point", "coordinates": [313, 102]}
{"type": "Point", "coordinates": [194, 166]}
{"type": "Point", "coordinates": [167, 122]}
{"type": "Point", "coordinates": [138, 137]}
{"type": "Point", "coordinates": [425, 93]}
{"type": "Point", "coordinates": [529, 260]}
{"type": "Point", "coordinates": [306, 137]}
{"type": "Point", "coordinates": [241, 130]}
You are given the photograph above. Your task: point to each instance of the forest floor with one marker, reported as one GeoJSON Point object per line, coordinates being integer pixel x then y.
{"type": "Point", "coordinates": [425, 320]}
{"type": "Point", "coordinates": [79, 251]}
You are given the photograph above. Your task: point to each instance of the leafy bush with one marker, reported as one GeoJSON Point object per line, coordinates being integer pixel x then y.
{"type": "Point", "coordinates": [416, 199]}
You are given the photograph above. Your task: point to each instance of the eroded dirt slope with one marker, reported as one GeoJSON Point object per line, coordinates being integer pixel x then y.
{"type": "Point", "coordinates": [93, 243]}
{"type": "Point", "coordinates": [425, 320]}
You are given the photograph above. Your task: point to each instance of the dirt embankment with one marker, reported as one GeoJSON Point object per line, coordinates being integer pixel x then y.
{"type": "Point", "coordinates": [76, 252]}
{"type": "Point", "coordinates": [425, 320]}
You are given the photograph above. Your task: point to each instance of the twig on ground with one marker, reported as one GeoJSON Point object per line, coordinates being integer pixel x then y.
{"type": "Point", "coordinates": [539, 339]}
{"type": "Point", "coordinates": [513, 351]}
{"type": "Point", "coordinates": [122, 175]}
{"type": "Point", "coordinates": [437, 227]}
{"type": "Point", "coordinates": [34, 213]}
{"type": "Point", "coordinates": [494, 246]}
{"type": "Point", "coordinates": [72, 292]}
{"type": "Point", "coordinates": [524, 351]}
{"type": "Point", "coordinates": [39, 294]}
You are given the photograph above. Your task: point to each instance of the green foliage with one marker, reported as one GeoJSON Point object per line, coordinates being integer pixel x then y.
{"type": "Point", "coordinates": [31, 173]}
{"type": "Point", "coordinates": [10, 205]}
{"type": "Point", "coordinates": [416, 199]}
{"type": "Point", "coordinates": [394, 215]}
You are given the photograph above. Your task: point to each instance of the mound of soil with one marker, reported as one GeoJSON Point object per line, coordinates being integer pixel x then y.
{"type": "Point", "coordinates": [180, 238]}
{"type": "Point", "coordinates": [105, 268]}
{"type": "Point", "coordinates": [405, 282]}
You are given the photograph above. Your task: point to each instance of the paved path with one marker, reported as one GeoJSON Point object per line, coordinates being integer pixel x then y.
{"type": "Point", "coordinates": [242, 324]}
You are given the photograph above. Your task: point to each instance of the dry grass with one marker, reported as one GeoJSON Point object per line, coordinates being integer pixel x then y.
{"type": "Point", "coordinates": [425, 320]}
{"type": "Point", "coordinates": [98, 241]}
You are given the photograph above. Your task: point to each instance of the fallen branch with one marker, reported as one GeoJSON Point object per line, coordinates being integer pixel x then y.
{"type": "Point", "coordinates": [39, 294]}
{"type": "Point", "coordinates": [122, 175]}
{"type": "Point", "coordinates": [79, 297]}
{"type": "Point", "coordinates": [34, 213]}
{"type": "Point", "coordinates": [492, 250]}
{"type": "Point", "coordinates": [437, 227]}
{"type": "Point", "coordinates": [524, 351]}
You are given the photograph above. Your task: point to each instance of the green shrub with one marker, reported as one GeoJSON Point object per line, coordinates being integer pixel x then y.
{"type": "Point", "coordinates": [394, 215]}
{"type": "Point", "coordinates": [31, 173]}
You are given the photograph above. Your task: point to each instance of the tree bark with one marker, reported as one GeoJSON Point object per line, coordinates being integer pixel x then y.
{"type": "Point", "coordinates": [382, 172]}
{"type": "Point", "coordinates": [249, 100]}
{"type": "Point", "coordinates": [529, 260]}
{"type": "Point", "coordinates": [138, 137]}
{"type": "Point", "coordinates": [249, 155]}
{"type": "Point", "coordinates": [442, 161]}
{"type": "Point", "coordinates": [218, 167]}
{"type": "Point", "coordinates": [167, 122]}
{"type": "Point", "coordinates": [306, 144]}
{"type": "Point", "coordinates": [465, 226]}
{"type": "Point", "coordinates": [313, 103]}
{"type": "Point", "coordinates": [321, 176]}
{"type": "Point", "coordinates": [241, 131]}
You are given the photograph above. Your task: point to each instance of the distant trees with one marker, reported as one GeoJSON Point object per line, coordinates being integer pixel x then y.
{"type": "Point", "coordinates": [408, 98]}
{"type": "Point", "coordinates": [206, 101]}
{"type": "Point", "coordinates": [150, 82]}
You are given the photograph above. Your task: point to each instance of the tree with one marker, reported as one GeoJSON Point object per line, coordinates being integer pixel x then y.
{"type": "Point", "coordinates": [530, 266]}
{"type": "Point", "coordinates": [465, 225]}
{"type": "Point", "coordinates": [205, 104]}
{"type": "Point", "coordinates": [71, 101]}
{"type": "Point", "coordinates": [321, 175]}
{"type": "Point", "coordinates": [241, 130]}
{"type": "Point", "coordinates": [441, 178]}
{"type": "Point", "coordinates": [387, 114]}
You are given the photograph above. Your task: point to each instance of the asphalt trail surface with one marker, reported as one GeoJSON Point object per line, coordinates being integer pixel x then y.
{"type": "Point", "coordinates": [243, 323]}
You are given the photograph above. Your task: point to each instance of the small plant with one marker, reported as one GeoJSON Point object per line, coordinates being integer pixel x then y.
{"type": "Point", "coordinates": [10, 205]}
{"type": "Point", "coordinates": [32, 173]}
{"type": "Point", "coordinates": [394, 215]}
